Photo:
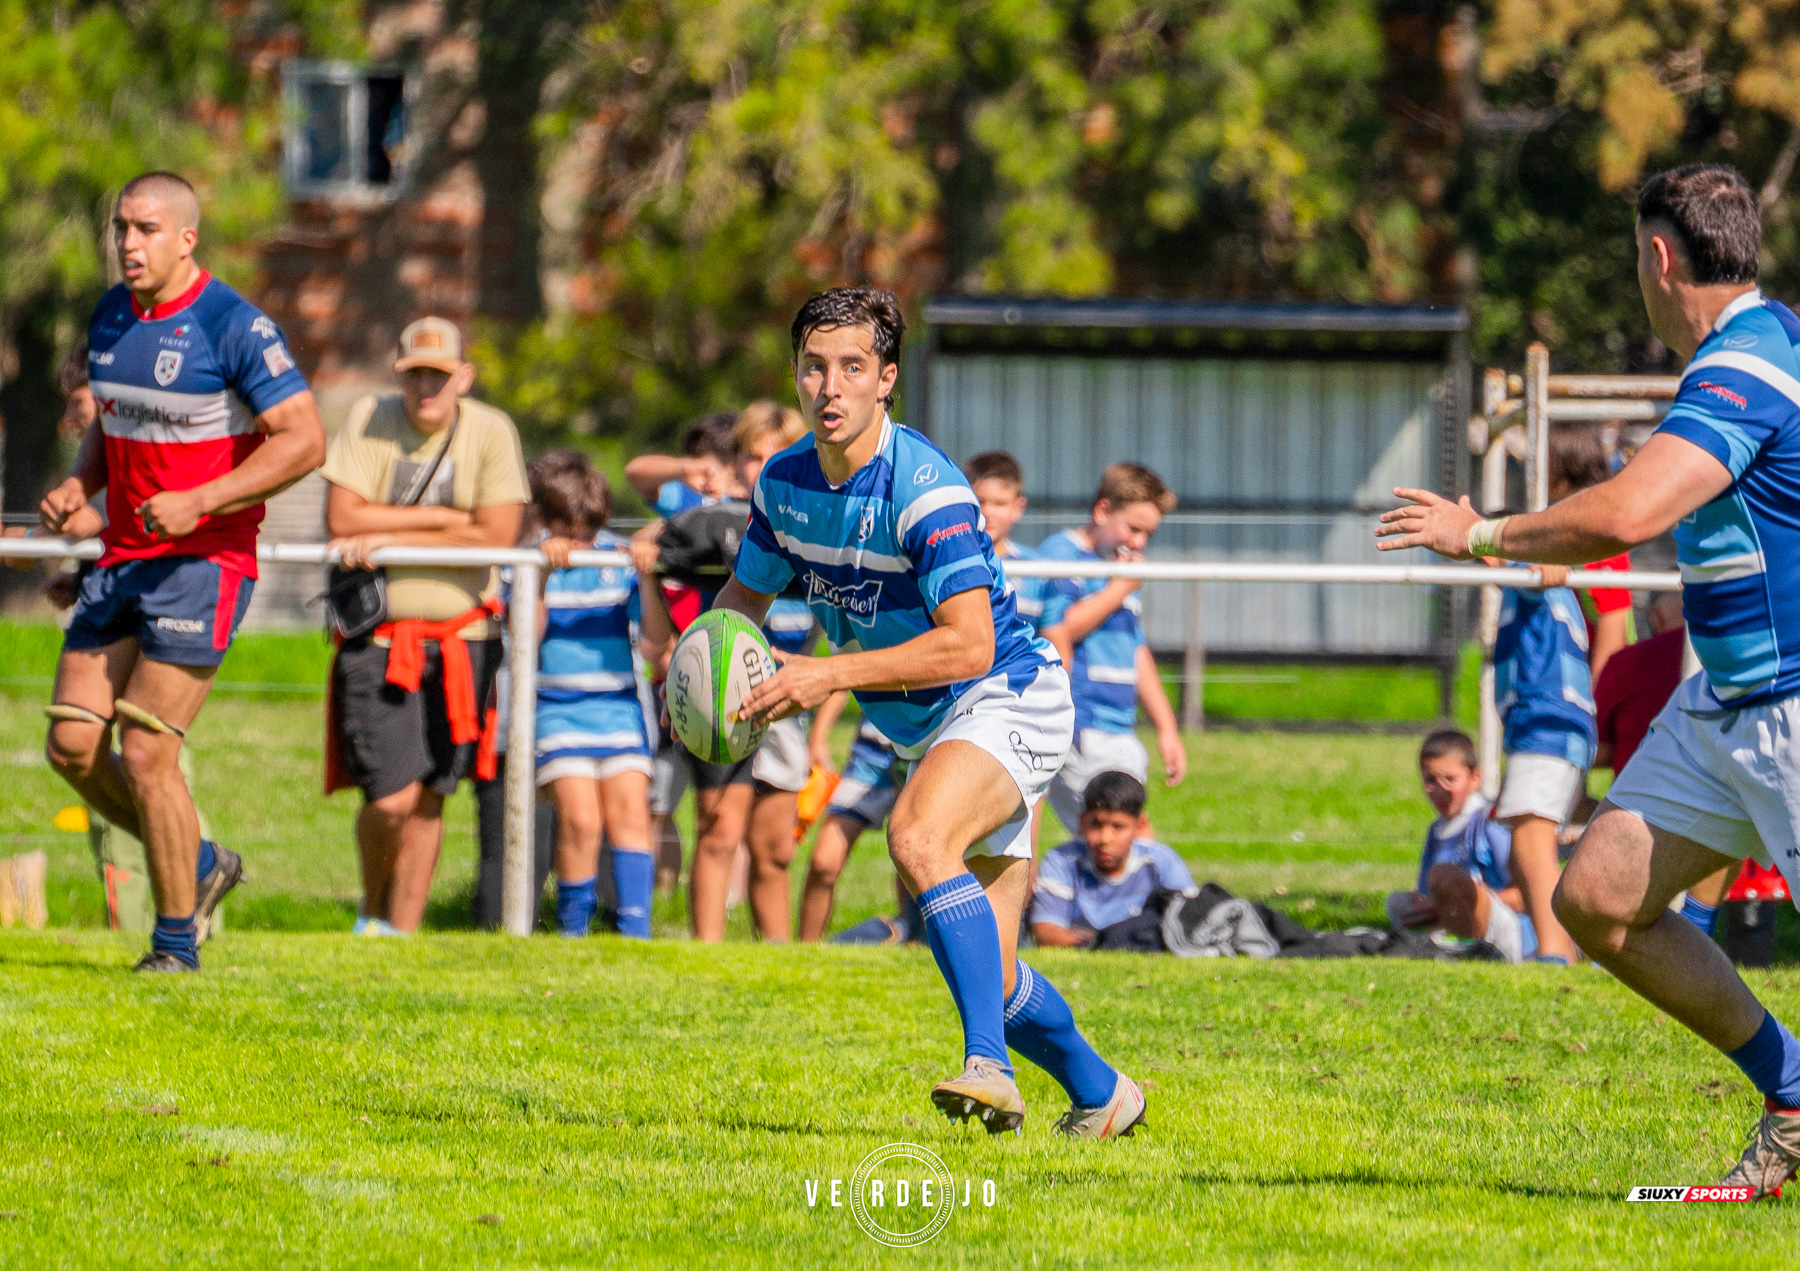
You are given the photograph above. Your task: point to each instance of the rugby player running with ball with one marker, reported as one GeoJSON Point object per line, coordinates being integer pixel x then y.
{"type": "Point", "coordinates": [886, 540]}
{"type": "Point", "coordinates": [203, 415]}
{"type": "Point", "coordinates": [1718, 778]}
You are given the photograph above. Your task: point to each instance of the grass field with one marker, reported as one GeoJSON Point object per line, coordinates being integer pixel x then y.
{"type": "Point", "coordinates": [468, 1100]}
{"type": "Point", "coordinates": [471, 1100]}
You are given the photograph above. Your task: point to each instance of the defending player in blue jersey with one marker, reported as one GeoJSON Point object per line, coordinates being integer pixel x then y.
{"type": "Point", "coordinates": [883, 535]}
{"type": "Point", "coordinates": [593, 750]}
{"type": "Point", "coordinates": [1718, 778]}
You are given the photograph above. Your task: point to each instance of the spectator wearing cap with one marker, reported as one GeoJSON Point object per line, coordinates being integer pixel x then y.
{"type": "Point", "coordinates": [409, 698]}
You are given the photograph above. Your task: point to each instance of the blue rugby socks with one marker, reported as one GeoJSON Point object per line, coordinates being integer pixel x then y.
{"type": "Point", "coordinates": [634, 877]}
{"type": "Point", "coordinates": [1771, 1059]}
{"type": "Point", "coordinates": [176, 936]}
{"type": "Point", "coordinates": [208, 860]}
{"type": "Point", "coordinates": [1040, 1026]}
{"type": "Point", "coordinates": [575, 905]}
{"type": "Point", "coordinates": [959, 926]}
{"type": "Point", "coordinates": [1705, 917]}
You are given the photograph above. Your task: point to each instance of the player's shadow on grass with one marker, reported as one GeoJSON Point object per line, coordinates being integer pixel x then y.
{"type": "Point", "coordinates": [1372, 1178]}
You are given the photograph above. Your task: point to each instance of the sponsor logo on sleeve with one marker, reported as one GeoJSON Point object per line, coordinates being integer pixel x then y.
{"type": "Point", "coordinates": [101, 359]}
{"type": "Point", "coordinates": [926, 475]}
{"type": "Point", "coordinates": [1739, 341]}
{"type": "Point", "coordinates": [264, 327]}
{"type": "Point", "coordinates": [1719, 390]}
{"type": "Point", "coordinates": [948, 531]}
{"type": "Point", "coordinates": [275, 357]}
{"type": "Point", "coordinates": [856, 603]}
{"type": "Point", "coordinates": [168, 366]}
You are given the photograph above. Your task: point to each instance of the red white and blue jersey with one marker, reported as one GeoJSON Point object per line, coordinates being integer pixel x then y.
{"type": "Point", "coordinates": [1739, 401]}
{"type": "Point", "coordinates": [178, 388]}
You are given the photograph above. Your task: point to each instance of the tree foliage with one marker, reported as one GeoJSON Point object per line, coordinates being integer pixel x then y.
{"type": "Point", "coordinates": [710, 164]}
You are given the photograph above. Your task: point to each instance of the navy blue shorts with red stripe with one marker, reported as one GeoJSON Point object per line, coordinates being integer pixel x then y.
{"type": "Point", "coordinates": [180, 609]}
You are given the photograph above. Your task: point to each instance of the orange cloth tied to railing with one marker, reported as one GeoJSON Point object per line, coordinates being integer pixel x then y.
{"type": "Point", "coordinates": [406, 639]}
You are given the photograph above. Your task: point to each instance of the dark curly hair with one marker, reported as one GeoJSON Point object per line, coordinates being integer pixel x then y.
{"type": "Point", "coordinates": [854, 307]}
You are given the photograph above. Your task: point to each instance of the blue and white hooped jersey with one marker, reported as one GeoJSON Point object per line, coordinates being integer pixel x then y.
{"type": "Point", "coordinates": [876, 555]}
{"type": "Point", "coordinates": [1103, 680]}
{"type": "Point", "coordinates": [1541, 683]}
{"type": "Point", "coordinates": [1740, 554]}
{"type": "Point", "coordinates": [588, 703]}
{"type": "Point", "coordinates": [1027, 593]}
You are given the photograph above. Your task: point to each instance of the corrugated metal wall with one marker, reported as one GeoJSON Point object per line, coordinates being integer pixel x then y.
{"type": "Point", "coordinates": [1273, 461]}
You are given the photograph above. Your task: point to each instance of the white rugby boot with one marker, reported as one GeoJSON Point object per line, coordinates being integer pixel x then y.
{"type": "Point", "coordinates": [982, 1093]}
{"type": "Point", "coordinates": [1114, 1119]}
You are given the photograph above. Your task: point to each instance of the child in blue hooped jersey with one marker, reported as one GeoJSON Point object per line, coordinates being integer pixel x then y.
{"type": "Point", "coordinates": [593, 750]}
{"type": "Point", "coordinates": [1097, 626]}
{"type": "Point", "coordinates": [1546, 702]}
{"type": "Point", "coordinates": [999, 485]}
{"type": "Point", "coordinates": [1465, 885]}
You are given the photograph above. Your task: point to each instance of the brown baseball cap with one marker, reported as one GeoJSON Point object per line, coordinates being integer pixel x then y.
{"type": "Point", "coordinates": [433, 342]}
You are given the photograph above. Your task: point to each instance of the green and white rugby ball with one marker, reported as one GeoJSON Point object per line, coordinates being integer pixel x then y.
{"type": "Point", "coordinates": [717, 661]}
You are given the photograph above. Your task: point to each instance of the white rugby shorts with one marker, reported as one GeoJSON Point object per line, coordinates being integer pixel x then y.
{"type": "Point", "coordinates": [782, 761]}
{"type": "Point", "coordinates": [1028, 732]}
{"type": "Point", "coordinates": [1727, 779]}
{"type": "Point", "coordinates": [1538, 785]}
{"type": "Point", "coordinates": [1094, 752]}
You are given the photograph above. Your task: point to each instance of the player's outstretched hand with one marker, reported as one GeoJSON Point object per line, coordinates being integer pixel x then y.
{"type": "Point", "coordinates": [1429, 521]}
{"type": "Point", "coordinates": [799, 684]}
{"type": "Point", "coordinates": [171, 513]}
{"type": "Point", "coordinates": [1174, 755]}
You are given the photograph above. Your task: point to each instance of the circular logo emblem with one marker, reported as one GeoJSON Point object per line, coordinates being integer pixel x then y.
{"type": "Point", "coordinates": [913, 1193]}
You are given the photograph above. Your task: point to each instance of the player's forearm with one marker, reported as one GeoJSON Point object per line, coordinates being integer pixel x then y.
{"type": "Point", "coordinates": [1589, 530]}
{"type": "Point", "coordinates": [90, 463]}
{"type": "Point", "coordinates": [942, 655]}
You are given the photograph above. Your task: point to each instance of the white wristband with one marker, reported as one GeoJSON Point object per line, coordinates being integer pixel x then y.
{"type": "Point", "coordinates": [1484, 536]}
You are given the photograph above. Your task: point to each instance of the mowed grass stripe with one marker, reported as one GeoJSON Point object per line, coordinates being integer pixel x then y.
{"type": "Point", "coordinates": [341, 1102]}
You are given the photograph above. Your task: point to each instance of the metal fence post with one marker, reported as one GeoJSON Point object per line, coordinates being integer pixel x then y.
{"type": "Point", "coordinates": [521, 754]}
{"type": "Point", "coordinates": [1537, 428]}
{"type": "Point", "coordinates": [1489, 739]}
{"type": "Point", "coordinates": [1193, 665]}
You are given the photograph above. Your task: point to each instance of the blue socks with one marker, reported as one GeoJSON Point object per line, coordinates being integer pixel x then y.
{"type": "Point", "coordinates": [1705, 917]}
{"type": "Point", "coordinates": [575, 905]}
{"type": "Point", "coordinates": [634, 876]}
{"type": "Point", "coordinates": [208, 859]}
{"type": "Point", "coordinates": [959, 926]}
{"type": "Point", "coordinates": [176, 936]}
{"type": "Point", "coordinates": [1771, 1060]}
{"type": "Point", "coordinates": [1040, 1027]}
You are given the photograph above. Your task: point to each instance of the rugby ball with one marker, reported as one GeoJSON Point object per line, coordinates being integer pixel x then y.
{"type": "Point", "coordinates": [716, 663]}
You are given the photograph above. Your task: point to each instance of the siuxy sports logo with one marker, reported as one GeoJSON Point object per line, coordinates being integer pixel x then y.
{"type": "Point", "coordinates": [1691, 1195]}
{"type": "Point", "coordinates": [901, 1195]}
{"type": "Point", "coordinates": [856, 602]}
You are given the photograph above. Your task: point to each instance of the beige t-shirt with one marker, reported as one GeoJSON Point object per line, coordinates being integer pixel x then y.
{"type": "Point", "coordinates": [378, 454]}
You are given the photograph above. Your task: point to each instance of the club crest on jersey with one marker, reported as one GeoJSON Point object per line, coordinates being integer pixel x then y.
{"type": "Point", "coordinates": [865, 526]}
{"type": "Point", "coordinates": [856, 603]}
{"type": "Point", "coordinates": [168, 366]}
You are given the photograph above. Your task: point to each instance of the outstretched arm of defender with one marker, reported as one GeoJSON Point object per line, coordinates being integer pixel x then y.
{"type": "Point", "coordinates": [294, 444]}
{"type": "Point", "coordinates": [959, 646]}
{"type": "Point", "coordinates": [1669, 478]}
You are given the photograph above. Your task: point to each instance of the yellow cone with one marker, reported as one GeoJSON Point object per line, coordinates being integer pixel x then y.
{"type": "Point", "coordinates": [71, 820]}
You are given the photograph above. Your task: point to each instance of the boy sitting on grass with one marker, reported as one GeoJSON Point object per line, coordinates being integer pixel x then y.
{"type": "Point", "coordinates": [1108, 874]}
{"type": "Point", "coordinates": [1465, 882]}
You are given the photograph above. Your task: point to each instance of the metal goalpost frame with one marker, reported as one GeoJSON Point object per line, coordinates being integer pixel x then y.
{"type": "Point", "coordinates": [522, 631]}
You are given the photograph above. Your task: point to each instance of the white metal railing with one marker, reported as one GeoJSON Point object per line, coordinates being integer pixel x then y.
{"type": "Point", "coordinates": [526, 564]}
